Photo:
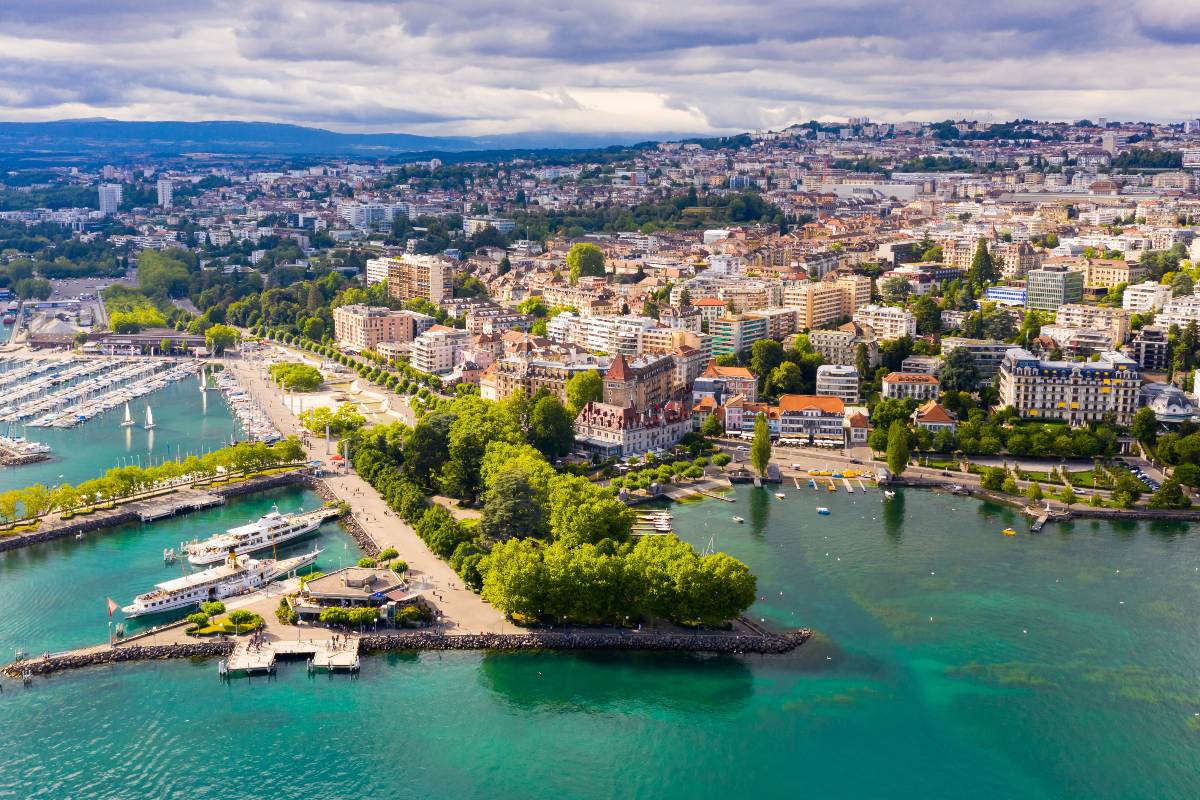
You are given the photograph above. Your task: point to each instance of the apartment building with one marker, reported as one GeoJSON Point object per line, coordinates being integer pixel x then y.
{"type": "Point", "coordinates": [733, 334]}
{"type": "Point", "coordinates": [811, 418]}
{"type": "Point", "coordinates": [823, 302]}
{"type": "Point", "coordinates": [360, 327]}
{"type": "Point", "coordinates": [721, 383]}
{"type": "Point", "coordinates": [532, 375]}
{"type": "Point", "coordinates": [1151, 348]}
{"type": "Point", "coordinates": [901, 385]}
{"type": "Point", "coordinates": [1074, 392]}
{"type": "Point", "coordinates": [621, 431]}
{"type": "Point", "coordinates": [887, 322]}
{"type": "Point", "coordinates": [1145, 298]}
{"type": "Point", "coordinates": [840, 346]}
{"type": "Point", "coordinates": [1016, 259]}
{"type": "Point", "coordinates": [837, 380]}
{"type": "Point", "coordinates": [1052, 286]}
{"type": "Point", "coordinates": [435, 350]}
{"type": "Point", "coordinates": [988, 353]}
{"type": "Point", "coordinates": [1101, 273]}
{"type": "Point", "coordinates": [410, 277]}
{"type": "Point", "coordinates": [1179, 311]}
{"type": "Point", "coordinates": [1103, 318]}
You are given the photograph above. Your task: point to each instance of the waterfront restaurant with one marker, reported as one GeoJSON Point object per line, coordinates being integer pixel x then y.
{"type": "Point", "coordinates": [348, 587]}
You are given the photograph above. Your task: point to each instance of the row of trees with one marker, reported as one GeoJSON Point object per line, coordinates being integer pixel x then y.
{"type": "Point", "coordinates": [121, 482]}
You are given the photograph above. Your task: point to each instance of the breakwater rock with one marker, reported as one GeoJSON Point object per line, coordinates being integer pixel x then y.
{"type": "Point", "coordinates": [112, 655]}
{"type": "Point", "coordinates": [716, 642]}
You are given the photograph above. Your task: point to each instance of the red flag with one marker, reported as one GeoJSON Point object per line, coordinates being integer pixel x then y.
{"type": "Point", "coordinates": [112, 606]}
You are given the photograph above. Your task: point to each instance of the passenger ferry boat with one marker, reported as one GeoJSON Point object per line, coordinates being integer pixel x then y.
{"type": "Point", "coordinates": [238, 575]}
{"type": "Point", "coordinates": [270, 530]}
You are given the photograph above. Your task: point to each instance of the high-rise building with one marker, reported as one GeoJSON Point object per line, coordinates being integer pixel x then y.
{"type": "Point", "coordinates": [410, 277]}
{"type": "Point", "coordinates": [837, 380]}
{"type": "Point", "coordinates": [363, 327]}
{"type": "Point", "coordinates": [166, 192]}
{"type": "Point", "coordinates": [110, 198]}
{"type": "Point", "coordinates": [1052, 286]}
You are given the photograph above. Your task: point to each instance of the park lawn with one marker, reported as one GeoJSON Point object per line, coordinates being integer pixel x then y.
{"type": "Point", "coordinates": [941, 463]}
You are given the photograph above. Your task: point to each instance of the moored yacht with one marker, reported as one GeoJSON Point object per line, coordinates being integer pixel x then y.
{"type": "Point", "coordinates": [270, 530]}
{"type": "Point", "coordinates": [238, 575]}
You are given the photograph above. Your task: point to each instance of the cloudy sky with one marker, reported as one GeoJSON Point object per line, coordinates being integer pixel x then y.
{"type": "Point", "coordinates": [479, 67]}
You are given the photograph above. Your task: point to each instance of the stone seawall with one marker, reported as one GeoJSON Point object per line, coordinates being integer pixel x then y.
{"type": "Point", "coordinates": [112, 655]}
{"type": "Point", "coordinates": [262, 483]}
{"type": "Point", "coordinates": [767, 643]}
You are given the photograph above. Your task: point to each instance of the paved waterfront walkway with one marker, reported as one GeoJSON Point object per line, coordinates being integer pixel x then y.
{"type": "Point", "coordinates": [462, 610]}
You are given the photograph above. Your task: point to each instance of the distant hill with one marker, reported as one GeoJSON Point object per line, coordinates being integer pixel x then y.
{"type": "Point", "coordinates": [172, 138]}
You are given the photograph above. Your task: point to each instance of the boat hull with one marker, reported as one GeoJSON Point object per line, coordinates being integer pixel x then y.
{"type": "Point", "coordinates": [208, 557]}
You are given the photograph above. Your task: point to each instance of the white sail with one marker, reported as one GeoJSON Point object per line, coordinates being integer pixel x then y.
{"type": "Point", "coordinates": [128, 421]}
{"type": "Point", "coordinates": [149, 418]}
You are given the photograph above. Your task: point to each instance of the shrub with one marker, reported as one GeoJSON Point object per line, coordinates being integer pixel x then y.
{"type": "Point", "coordinates": [199, 619]}
{"type": "Point", "coordinates": [212, 608]}
{"type": "Point", "coordinates": [399, 566]}
{"type": "Point", "coordinates": [243, 617]}
{"type": "Point", "coordinates": [389, 554]}
{"type": "Point", "coordinates": [366, 561]}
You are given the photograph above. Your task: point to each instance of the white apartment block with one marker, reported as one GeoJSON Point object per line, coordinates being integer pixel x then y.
{"type": "Point", "coordinates": [886, 321]}
{"type": "Point", "coordinates": [110, 198]}
{"type": "Point", "coordinates": [435, 350]}
{"type": "Point", "coordinates": [837, 380]}
{"type": "Point", "coordinates": [166, 192]}
{"type": "Point", "coordinates": [1102, 318]}
{"type": "Point", "coordinates": [1075, 392]}
{"type": "Point", "coordinates": [1179, 311]}
{"type": "Point", "coordinates": [1145, 298]}
{"type": "Point", "coordinates": [919, 386]}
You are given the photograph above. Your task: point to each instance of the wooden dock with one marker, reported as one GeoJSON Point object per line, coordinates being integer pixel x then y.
{"type": "Point", "coordinates": [321, 655]}
{"type": "Point", "coordinates": [849, 488]}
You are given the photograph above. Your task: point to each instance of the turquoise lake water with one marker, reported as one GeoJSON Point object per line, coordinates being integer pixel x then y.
{"type": "Point", "coordinates": [186, 420]}
{"type": "Point", "coordinates": [951, 662]}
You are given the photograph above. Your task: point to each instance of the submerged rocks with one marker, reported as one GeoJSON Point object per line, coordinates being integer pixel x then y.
{"type": "Point", "coordinates": [717, 642]}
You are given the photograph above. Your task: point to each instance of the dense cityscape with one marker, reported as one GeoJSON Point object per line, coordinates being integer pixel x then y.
{"type": "Point", "coordinates": [508, 402]}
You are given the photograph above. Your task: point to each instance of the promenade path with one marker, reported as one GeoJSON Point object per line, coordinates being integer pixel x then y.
{"type": "Point", "coordinates": [462, 610]}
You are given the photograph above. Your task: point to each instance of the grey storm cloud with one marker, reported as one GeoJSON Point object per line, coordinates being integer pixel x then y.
{"type": "Point", "coordinates": [485, 67]}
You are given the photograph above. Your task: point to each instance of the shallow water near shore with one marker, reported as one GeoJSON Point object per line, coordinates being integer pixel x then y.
{"type": "Point", "coordinates": [186, 421]}
{"type": "Point", "coordinates": [951, 661]}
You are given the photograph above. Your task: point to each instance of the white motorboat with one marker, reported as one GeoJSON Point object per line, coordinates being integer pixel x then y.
{"type": "Point", "coordinates": [270, 530]}
{"type": "Point", "coordinates": [238, 575]}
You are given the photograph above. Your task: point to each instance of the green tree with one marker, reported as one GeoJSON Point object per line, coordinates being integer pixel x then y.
{"type": "Point", "coordinates": [760, 448]}
{"type": "Point", "coordinates": [1170, 495]}
{"type": "Point", "coordinates": [983, 269]}
{"type": "Point", "coordinates": [1067, 496]}
{"type": "Point", "coordinates": [712, 426]}
{"type": "Point", "coordinates": [895, 289]}
{"type": "Point", "coordinates": [993, 478]}
{"type": "Point", "coordinates": [959, 372]}
{"type": "Point", "coordinates": [583, 388]}
{"type": "Point", "coordinates": [583, 513]}
{"type": "Point", "coordinates": [551, 428]}
{"type": "Point", "coordinates": [513, 506]}
{"type": "Point", "coordinates": [585, 259]}
{"type": "Point", "coordinates": [897, 447]}
{"type": "Point", "coordinates": [220, 338]}
{"type": "Point", "coordinates": [765, 355]}
{"type": "Point", "coordinates": [1034, 492]}
{"type": "Point", "coordinates": [1145, 426]}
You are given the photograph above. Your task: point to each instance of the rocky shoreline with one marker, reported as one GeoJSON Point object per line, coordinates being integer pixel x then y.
{"type": "Point", "coordinates": [360, 536]}
{"type": "Point", "coordinates": [113, 655]}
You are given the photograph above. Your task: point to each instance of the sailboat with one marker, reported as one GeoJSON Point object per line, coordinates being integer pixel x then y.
{"type": "Point", "coordinates": [128, 421]}
{"type": "Point", "coordinates": [149, 419]}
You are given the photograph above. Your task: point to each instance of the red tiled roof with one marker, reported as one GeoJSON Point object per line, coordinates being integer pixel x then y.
{"type": "Point", "coordinates": [800, 402]}
{"type": "Point", "coordinates": [619, 371]}
{"type": "Point", "coordinates": [909, 377]}
{"type": "Point", "coordinates": [933, 411]}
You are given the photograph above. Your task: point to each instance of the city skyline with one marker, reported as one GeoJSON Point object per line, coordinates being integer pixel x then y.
{"type": "Point", "coordinates": [480, 68]}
